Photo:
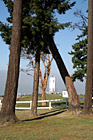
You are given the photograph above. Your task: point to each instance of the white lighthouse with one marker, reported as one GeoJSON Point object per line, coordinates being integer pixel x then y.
{"type": "Point", "coordinates": [52, 85]}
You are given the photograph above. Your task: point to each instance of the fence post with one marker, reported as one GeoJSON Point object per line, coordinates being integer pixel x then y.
{"type": "Point", "coordinates": [0, 104]}
{"type": "Point", "coordinates": [49, 104]}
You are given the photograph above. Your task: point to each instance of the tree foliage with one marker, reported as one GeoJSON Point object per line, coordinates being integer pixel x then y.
{"type": "Point", "coordinates": [38, 21]}
{"type": "Point", "coordinates": [39, 25]}
{"type": "Point", "coordinates": [79, 52]}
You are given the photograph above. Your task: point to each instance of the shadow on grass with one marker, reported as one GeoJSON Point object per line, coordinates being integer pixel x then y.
{"type": "Point", "coordinates": [44, 115]}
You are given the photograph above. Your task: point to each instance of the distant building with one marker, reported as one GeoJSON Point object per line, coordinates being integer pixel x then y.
{"type": "Point", "coordinates": [52, 85]}
{"type": "Point", "coordinates": [65, 94]}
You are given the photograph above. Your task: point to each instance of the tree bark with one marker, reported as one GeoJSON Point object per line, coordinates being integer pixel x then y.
{"type": "Point", "coordinates": [44, 104]}
{"type": "Point", "coordinates": [43, 84]}
{"type": "Point", "coordinates": [72, 94]}
{"type": "Point", "coordinates": [8, 108]}
{"type": "Point", "coordinates": [89, 79]}
{"type": "Point", "coordinates": [36, 84]}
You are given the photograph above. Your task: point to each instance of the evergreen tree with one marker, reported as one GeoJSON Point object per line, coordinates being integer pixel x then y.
{"type": "Point", "coordinates": [72, 94]}
{"type": "Point", "coordinates": [79, 58]}
{"type": "Point", "coordinates": [7, 113]}
{"type": "Point", "coordinates": [49, 26]}
{"type": "Point", "coordinates": [79, 52]}
{"type": "Point", "coordinates": [39, 25]}
{"type": "Point", "coordinates": [36, 84]}
{"type": "Point", "coordinates": [38, 20]}
{"type": "Point", "coordinates": [89, 80]}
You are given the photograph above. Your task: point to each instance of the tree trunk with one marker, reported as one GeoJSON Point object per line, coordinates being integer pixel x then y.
{"type": "Point", "coordinates": [42, 87]}
{"type": "Point", "coordinates": [36, 84]}
{"type": "Point", "coordinates": [44, 104]}
{"type": "Point", "coordinates": [43, 84]}
{"type": "Point", "coordinates": [72, 94]}
{"type": "Point", "coordinates": [9, 101]}
{"type": "Point", "coordinates": [89, 80]}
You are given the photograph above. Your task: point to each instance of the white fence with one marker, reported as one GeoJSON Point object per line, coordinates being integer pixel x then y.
{"type": "Point", "coordinates": [0, 104]}
{"type": "Point", "coordinates": [48, 107]}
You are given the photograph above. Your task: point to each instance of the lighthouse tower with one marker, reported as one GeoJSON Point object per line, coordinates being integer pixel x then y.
{"type": "Point", "coordinates": [52, 85]}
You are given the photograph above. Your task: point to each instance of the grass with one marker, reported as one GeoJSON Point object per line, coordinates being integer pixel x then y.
{"type": "Point", "coordinates": [49, 125]}
{"type": "Point", "coordinates": [57, 124]}
{"type": "Point", "coordinates": [48, 97]}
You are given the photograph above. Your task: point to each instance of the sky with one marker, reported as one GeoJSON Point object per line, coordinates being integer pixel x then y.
{"type": "Point", "coordinates": [64, 40]}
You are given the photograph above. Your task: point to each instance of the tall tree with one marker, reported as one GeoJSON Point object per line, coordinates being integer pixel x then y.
{"type": "Point", "coordinates": [47, 66]}
{"type": "Point", "coordinates": [35, 84]}
{"type": "Point", "coordinates": [45, 10]}
{"type": "Point", "coordinates": [40, 22]}
{"type": "Point", "coordinates": [46, 60]}
{"type": "Point", "coordinates": [9, 101]}
{"type": "Point", "coordinates": [72, 94]}
{"type": "Point", "coordinates": [46, 25]}
{"type": "Point", "coordinates": [79, 52]}
{"type": "Point", "coordinates": [89, 80]}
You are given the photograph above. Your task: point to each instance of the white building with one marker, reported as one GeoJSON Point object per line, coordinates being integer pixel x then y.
{"type": "Point", "coordinates": [65, 94]}
{"type": "Point", "coordinates": [52, 85]}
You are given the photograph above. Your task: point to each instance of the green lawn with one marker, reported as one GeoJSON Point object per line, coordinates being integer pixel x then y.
{"type": "Point", "coordinates": [48, 97]}
{"type": "Point", "coordinates": [57, 124]}
{"type": "Point", "coordinates": [49, 125]}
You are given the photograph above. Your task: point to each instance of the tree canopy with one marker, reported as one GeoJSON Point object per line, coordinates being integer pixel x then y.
{"type": "Point", "coordinates": [39, 25]}
{"type": "Point", "coordinates": [38, 21]}
{"type": "Point", "coordinates": [79, 52]}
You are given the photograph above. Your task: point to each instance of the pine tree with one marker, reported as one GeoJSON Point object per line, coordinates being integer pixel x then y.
{"type": "Point", "coordinates": [49, 26]}
{"type": "Point", "coordinates": [72, 94]}
{"type": "Point", "coordinates": [89, 80]}
{"type": "Point", "coordinates": [38, 24]}
{"type": "Point", "coordinates": [35, 84]}
{"type": "Point", "coordinates": [79, 52]}
{"type": "Point", "coordinates": [7, 113]}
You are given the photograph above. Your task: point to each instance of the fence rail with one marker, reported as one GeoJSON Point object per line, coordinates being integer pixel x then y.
{"type": "Point", "coordinates": [48, 107]}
